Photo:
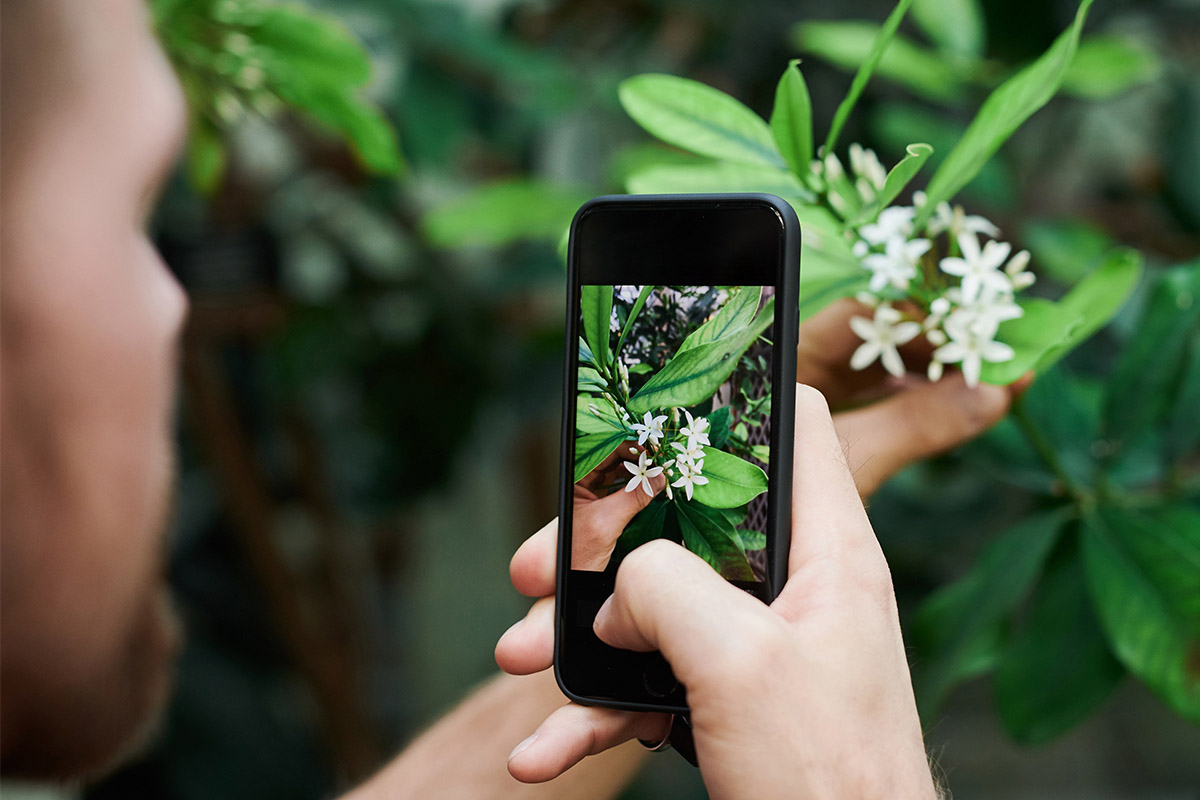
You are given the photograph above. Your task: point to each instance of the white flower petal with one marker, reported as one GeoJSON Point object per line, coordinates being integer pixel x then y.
{"type": "Point", "coordinates": [905, 332]}
{"type": "Point", "coordinates": [865, 355]}
{"type": "Point", "coordinates": [971, 367]}
{"type": "Point", "coordinates": [633, 483]}
{"type": "Point", "coordinates": [864, 328]}
{"type": "Point", "coordinates": [892, 362]}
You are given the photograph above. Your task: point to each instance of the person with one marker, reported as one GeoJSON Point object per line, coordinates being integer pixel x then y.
{"type": "Point", "coordinates": [89, 324]}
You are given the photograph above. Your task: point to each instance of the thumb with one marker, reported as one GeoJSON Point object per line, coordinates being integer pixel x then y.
{"type": "Point", "coordinates": [618, 509]}
{"type": "Point", "coordinates": [919, 422]}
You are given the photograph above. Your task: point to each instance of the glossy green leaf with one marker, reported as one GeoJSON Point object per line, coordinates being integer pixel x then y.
{"type": "Point", "coordinates": [1144, 574]}
{"type": "Point", "coordinates": [1151, 365]}
{"type": "Point", "coordinates": [649, 524]}
{"type": "Point", "coordinates": [1057, 668]}
{"type": "Point", "coordinates": [693, 376]}
{"type": "Point", "coordinates": [709, 534]}
{"type": "Point", "coordinates": [503, 213]}
{"type": "Point", "coordinates": [1181, 434]}
{"type": "Point", "coordinates": [1109, 64]}
{"type": "Point", "coordinates": [1049, 331]}
{"type": "Point", "coordinates": [339, 109]}
{"type": "Point", "coordinates": [719, 176]}
{"type": "Point", "coordinates": [699, 118]}
{"type": "Point", "coordinates": [718, 426]}
{"type": "Point", "coordinates": [595, 306]}
{"type": "Point", "coordinates": [732, 481]}
{"type": "Point", "coordinates": [791, 119]}
{"type": "Point", "coordinates": [915, 157]}
{"type": "Point", "coordinates": [848, 44]}
{"type": "Point", "coordinates": [956, 628]}
{"type": "Point", "coordinates": [1002, 113]}
{"type": "Point", "coordinates": [955, 26]}
{"type": "Point", "coordinates": [751, 540]}
{"type": "Point", "coordinates": [732, 318]}
{"type": "Point", "coordinates": [603, 420]}
{"type": "Point", "coordinates": [592, 448]}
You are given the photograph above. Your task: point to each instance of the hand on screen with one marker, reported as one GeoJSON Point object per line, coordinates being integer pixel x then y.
{"type": "Point", "coordinates": [601, 511]}
{"type": "Point", "coordinates": [808, 697]}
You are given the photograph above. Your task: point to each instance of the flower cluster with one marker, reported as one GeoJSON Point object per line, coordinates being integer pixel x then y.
{"type": "Point", "coordinates": [953, 281]}
{"type": "Point", "coordinates": [688, 462]}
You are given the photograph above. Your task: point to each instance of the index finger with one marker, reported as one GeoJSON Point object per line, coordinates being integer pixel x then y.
{"type": "Point", "coordinates": [828, 518]}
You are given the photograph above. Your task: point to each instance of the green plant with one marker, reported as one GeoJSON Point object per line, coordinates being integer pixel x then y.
{"type": "Point", "coordinates": [235, 57]}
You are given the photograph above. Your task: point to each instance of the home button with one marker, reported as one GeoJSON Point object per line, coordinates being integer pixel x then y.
{"type": "Point", "coordinates": [658, 678]}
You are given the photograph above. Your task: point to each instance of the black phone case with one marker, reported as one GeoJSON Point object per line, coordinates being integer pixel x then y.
{"type": "Point", "coordinates": [782, 411]}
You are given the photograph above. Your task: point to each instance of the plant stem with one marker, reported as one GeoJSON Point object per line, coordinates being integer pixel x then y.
{"type": "Point", "coordinates": [1046, 450]}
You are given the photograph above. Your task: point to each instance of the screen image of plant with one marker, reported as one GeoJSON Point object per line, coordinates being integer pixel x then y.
{"type": "Point", "coordinates": [673, 393]}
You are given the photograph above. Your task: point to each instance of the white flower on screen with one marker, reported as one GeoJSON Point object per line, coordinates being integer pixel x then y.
{"type": "Point", "coordinates": [897, 265]}
{"type": "Point", "coordinates": [690, 476]}
{"type": "Point", "coordinates": [628, 294]}
{"type": "Point", "coordinates": [894, 221]}
{"type": "Point", "coordinates": [696, 429]}
{"type": "Point", "coordinates": [649, 429]}
{"type": "Point", "coordinates": [642, 473]}
{"type": "Point", "coordinates": [1021, 278]}
{"type": "Point", "coordinates": [971, 343]}
{"type": "Point", "coordinates": [978, 268]}
{"type": "Point", "coordinates": [689, 453]}
{"type": "Point", "coordinates": [881, 336]}
{"type": "Point", "coordinates": [954, 220]}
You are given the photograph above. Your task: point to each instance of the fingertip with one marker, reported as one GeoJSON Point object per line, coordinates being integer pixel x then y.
{"type": "Point", "coordinates": [1022, 384]}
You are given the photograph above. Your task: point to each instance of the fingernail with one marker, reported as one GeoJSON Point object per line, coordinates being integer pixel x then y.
{"type": "Point", "coordinates": [603, 614]}
{"type": "Point", "coordinates": [522, 746]}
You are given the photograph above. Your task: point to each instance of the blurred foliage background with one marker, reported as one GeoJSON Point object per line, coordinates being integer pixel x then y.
{"type": "Point", "coordinates": [369, 411]}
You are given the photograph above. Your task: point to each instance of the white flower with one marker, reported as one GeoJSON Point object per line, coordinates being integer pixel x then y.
{"type": "Point", "coordinates": [696, 430]}
{"type": "Point", "coordinates": [650, 428]}
{"type": "Point", "coordinates": [893, 221]}
{"type": "Point", "coordinates": [954, 220]}
{"type": "Point", "coordinates": [642, 473]}
{"type": "Point", "coordinates": [865, 164]}
{"type": "Point", "coordinates": [979, 269]}
{"type": "Point", "coordinates": [1021, 278]}
{"type": "Point", "coordinates": [833, 168]}
{"type": "Point", "coordinates": [628, 294]}
{"type": "Point", "coordinates": [880, 338]}
{"type": "Point", "coordinates": [690, 453]}
{"type": "Point", "coordinates": [971, 346]}
{"type": "Point", "coordinates": [897, 265]}
{"type": "Point", "coordinates": [984, 315]}
{"type": "Point", "coordinates": [689, 476]}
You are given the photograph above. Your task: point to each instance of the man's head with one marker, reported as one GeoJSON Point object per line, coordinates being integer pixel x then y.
{"type": "Point", "coordinates": [89, 319]}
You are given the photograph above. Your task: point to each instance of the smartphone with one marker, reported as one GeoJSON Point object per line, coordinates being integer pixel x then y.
{"type": "Point", "coordinates": [677, 415]}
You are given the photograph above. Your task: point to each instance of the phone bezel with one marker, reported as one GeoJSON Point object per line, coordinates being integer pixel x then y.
{"type": "Point", "coordinates": [786, 285]}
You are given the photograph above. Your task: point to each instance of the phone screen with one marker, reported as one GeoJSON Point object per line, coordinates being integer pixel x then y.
{"type": "Point", "coordinates": [672, 424]}
{"type": "Point", "coordinates": [682, 323]}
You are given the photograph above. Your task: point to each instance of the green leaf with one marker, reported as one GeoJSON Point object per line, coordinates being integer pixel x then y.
{"type": "Point", "coordinates": [955, 26]}
{"type": "Point", "coordinates": [1151, 365]}
{"type": "Point", "coordinates": [693, 376]}
{"type": "Point", "coordinates": [699, 118]}
{"type": "Point", "coordinates": [897, 179]}
{"type": "Point", "coordinates": [595, 306]}
{"type": "Point", "coordinates": [592, 448]}
{"type": "Point", "coordinates": [708, 533]}
{"type": "Point", "coordinates": [372, 138]}
{"type": "Point", "coordinates": [504, 212]}
{"type": "Point", "coordinates": [750, 540]}
{"type": "Point", "coordinates": [1057, 668]}
{"type": "Point", "coordinates": [1109, 64]}
{"type": "Point", "coordinates": [1049, 331]}
{"type": "Point", "coordinates": [312, 46]}
{"type": "Point", "coordinates": [848, 45]}
{"type": "Point", "coordinates": [732, 481]}
{"type": "Point", "coordinates": [791, 119]}
{"type": "Point", "coordinates": [649, 524]}
{"type": "Point", "coordinates": [1144, 574]}
{"type": "Point", "coordinates": [957, 628]}
{"type": "Point", "coordinates": [1181, 433]}
{"type": "Point", "coordinates": [206, 158]}
{"type": "Point", "coordinates": [886, 33]}
{"type": "Point", "coordinates": [604, 422]}
{"type": "Point", "coordinates": [1002, 113]}
{"type": "Point", "coordinates": [1066, 250]}
{"type": "Point", "coordinates": [732, 318]}
{"type": "Point", "coordinates": [632, 317]}
{"type": "Point", "coordinates": [719, 176]}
